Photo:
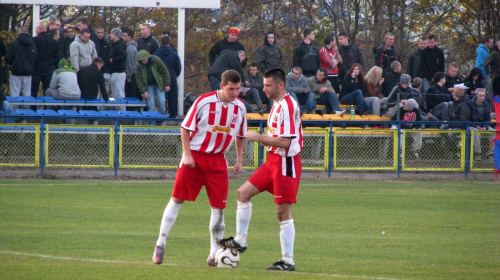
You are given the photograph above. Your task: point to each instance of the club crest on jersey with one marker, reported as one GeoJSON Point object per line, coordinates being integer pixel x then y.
{"type": "Point", "coordinates": [221, 129]}
{"type": "Point", "coordinates": [234, 121]}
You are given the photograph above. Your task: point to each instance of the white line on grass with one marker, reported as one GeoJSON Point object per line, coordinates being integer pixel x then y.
{"type": "Point", "coordinates": [167, 264]}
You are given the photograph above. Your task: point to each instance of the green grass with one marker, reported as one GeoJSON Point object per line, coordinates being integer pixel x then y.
{"type": "Point", "coordinates": [52, 229]}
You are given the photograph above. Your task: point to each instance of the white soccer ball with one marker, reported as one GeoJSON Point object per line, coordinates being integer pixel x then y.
{"type": "Point", "coordinates": [227, 258]}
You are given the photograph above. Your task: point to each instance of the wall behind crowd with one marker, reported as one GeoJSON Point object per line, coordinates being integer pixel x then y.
{"type": "Point", "coordinates": [459, 26]}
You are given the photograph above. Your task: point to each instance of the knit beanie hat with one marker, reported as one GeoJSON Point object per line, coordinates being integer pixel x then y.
{"type": "Point", "coordinates": [411, 103]}
{"type": "Point", "coordinates": [117, 32]}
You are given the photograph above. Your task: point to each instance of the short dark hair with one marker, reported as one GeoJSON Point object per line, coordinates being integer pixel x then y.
{"type": "Point", "coordinates": [432, 37]}
{"type": "Point", "coordinates": [84, 31]}
{"type": "Point", "coordinates": [97, 60]}
{"type": "Point", "coordinates": [277, 74]}
{"type": "Point", "coordinates": [438, 76]}
{"type": "Point", "coordinates": [84, 21]}
{"type": "Point", "coordinates": [486, 39]}
{"type": "Point", "coordinates": [52, 32]}
{"type": "Point", "coordinates": [343, 34]}
{"type": "Point", "coordinates": [328, 39]}
{"type": "Point", "coordinates": [99, 27]}
{"type": "Point", "coordinates": [423, 38]}
{"type": "Point", "coordinates": [230, 76]}
{"type": "Point", "coordinates": [165, 40]}
{"type": "Point", "coordinates": [167, 33]}
{"type": "Point", "coordinates": [254, 64]}
{"type": "Point", "coordinates": [307, 31]}
{"type": "Point", "coordinates": [323, 70]}
{"type": "Point", "coordinates": [128, 31]}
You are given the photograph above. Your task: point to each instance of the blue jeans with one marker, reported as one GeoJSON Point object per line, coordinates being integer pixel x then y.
{"type": "Point", "coordinates": [160, 95]}
{"type": "Point", "coordinates": [7, 110]}
{"type": "Point", "coordinates": [356, 98]}
{"type": "Point", "coordinates": [214, 82]}
{"type": "Point", "coordinates": [426, 84]}
{"type": "Point", "coordinates": [330, 100]}
{"type": "Point", "coordinates": [305, 99]}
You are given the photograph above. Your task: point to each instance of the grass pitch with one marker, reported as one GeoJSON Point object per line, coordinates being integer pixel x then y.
{"type": "Point", "coordinates": [51, 229]}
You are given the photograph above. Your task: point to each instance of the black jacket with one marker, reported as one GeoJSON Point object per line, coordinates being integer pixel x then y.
{"type": "Point", "coordinates": [103, 48]}
{"type": "Point", "coordinates": [413, 66]}
{"type": "Point", "coordinates": [459, 111]}
{"type": "Point", "coordinates": [118, 54]}
{"type": "Point", "coordinates": [349, 85]}
{"type": "Point", "coordinates": [437, 95]}
{"type": "Point", "coordinates": [90, 80]}
{"type": "Point", "coordinates": [48, 55]}
{"type": "Point", "coordinates": [228, 59]}
{"type": "Point", "coordinates": [431, 61]}
{"type": "Point", "coordinates": [384, 57]}
{"type": "Point", "coordinates": [307, 57]}
{"type": "Point", "coordinates": [391, 79]}
{"type": "Point", "coordinates": [21, 55]}
{"type": "Point", "coordinates": [350, 54]}
{"type": "Point", "coordinates": [150, 44]}
{"type": "Point", "coordinates": [269, 56]}
{"type": "Point", "coordinates": [222, 45]}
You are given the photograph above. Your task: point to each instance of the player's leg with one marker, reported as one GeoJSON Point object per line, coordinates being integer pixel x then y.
{"type": "Point", "coordinates": [187, 186]}
{"type": "Point", "coordinates": [217, 186]}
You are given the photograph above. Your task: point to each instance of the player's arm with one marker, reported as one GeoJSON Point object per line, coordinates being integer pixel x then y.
{"type": "Point", "coordinates": [238, 166]}
{"type": "Point", "coordinates": [187, 158]}
{"type": "Point", "coordinates": [278, 142]}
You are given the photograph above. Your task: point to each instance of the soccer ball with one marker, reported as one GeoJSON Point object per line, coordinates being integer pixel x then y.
{"type": "Point", "coordinates": [227, 258]}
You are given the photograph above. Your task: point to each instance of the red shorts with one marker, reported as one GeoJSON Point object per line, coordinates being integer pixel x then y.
{"type": "Point", "coordinates": [210, 170]}
{"type": "Point", "coordinates": [279, 176]}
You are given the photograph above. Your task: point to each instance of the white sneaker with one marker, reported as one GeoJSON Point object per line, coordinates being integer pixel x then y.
{"type": "Point", "coordinates": [340, 113]}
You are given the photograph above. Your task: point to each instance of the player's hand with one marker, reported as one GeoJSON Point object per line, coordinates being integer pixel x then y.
{"type": "Point", "coordinates": [238, 168]}
{"type": "Point", "coordinates": [188, 161]}
{"type": "Point", "coordinates": [146, 94]}
{"type": "Point", "coordinates": [252, 136]}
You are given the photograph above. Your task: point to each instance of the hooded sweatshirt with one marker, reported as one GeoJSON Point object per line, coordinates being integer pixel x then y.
{"type": "Point", "coordinates": [65, 81]}
{"type": "Point", "coordinates": [482, 53]}
{"type": "Point", "coordinates": [269, 56]}
{"type": "Point", "coordinates": [171, 59]}
{"type": "Point", "coordinates": [222, 45]}
{"type": "Point", "coordinates": [131, 58]}
{"type": "Point", "coordinates": [21, 55]}
{"type": "Point", "coordinates": [81, 53]}
{"type": "Point", "coordinates": [298, 86]}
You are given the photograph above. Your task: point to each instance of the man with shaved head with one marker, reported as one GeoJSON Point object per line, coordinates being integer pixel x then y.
{"type": "Point", "coordinates": [46, 60]}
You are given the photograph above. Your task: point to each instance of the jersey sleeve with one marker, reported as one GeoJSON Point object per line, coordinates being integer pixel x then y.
{"type": "Point", "coordinates": [190, 120]}
{"type": "Point", "coordinates": [287, 124]}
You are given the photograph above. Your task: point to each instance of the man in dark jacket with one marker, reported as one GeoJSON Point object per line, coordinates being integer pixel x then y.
{"type": "Point", "coordinates": [385, 54]}
{"type": "Point", "coordinates": [437, 97]}
{"type": "Point", "coordinates": [21, 55]}
{"type": "Point", "coordinates": [228, 59]}
{"type": "Point", "coordinates": [392, 78]}
{"type": "Point", "coordinates": [102, 47]}
{"type": "Point", "coordinates": [452, 77]}
{"type": "Point", "coordinates": [413, 66]}
{"type": "Point", "coordinates": [255, 82]}
{"type": "Point", "coordinates": [492, 66]}
{"type": "Point", "coordinates": [306, 55]}
{"type": "Point", "coordinates": [229, 42]}
{"type": "Point", "coordinates": [117, 64]}
{"type": "Point", "coordinates": [147, 41]}
{"type": "Point", "coordinates": [350, 54]}
{"type": "Point", "coordinates": [481, 113]}
{"type": "Point", "coordinates": [46, 59]}
{"type": "Point", "coordinates": [431, 61]}
{"type": "Point", "coordinates": [171, 59]}
{"type": "Point", "coordinates": [91, 80]}
{"type": "Point", "coordinates": [269, 55]}
{"type": "Point", "coordinates": [82, 24]}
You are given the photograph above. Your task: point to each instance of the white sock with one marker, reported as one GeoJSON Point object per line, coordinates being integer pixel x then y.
{"type": "Point", "coordinates": [168, 220]}
{"type": "Point", "coordinates": [287, 239]}
{"type": "Point", "coordinates": [217, 227]}
{"type": "Point", "coordinates": [243, 215]}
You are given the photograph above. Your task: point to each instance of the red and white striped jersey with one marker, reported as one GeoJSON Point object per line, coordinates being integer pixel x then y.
{"type": "Point", "coordinates": [284, 121]}
{"type": "Point", "coordinates": [214, 124]}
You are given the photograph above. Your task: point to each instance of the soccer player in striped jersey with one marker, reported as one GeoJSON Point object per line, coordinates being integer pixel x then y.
{"type": "Point", "coordinates": [214, 121]}
{"type": "Point", "coordinates": [279, 175]}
